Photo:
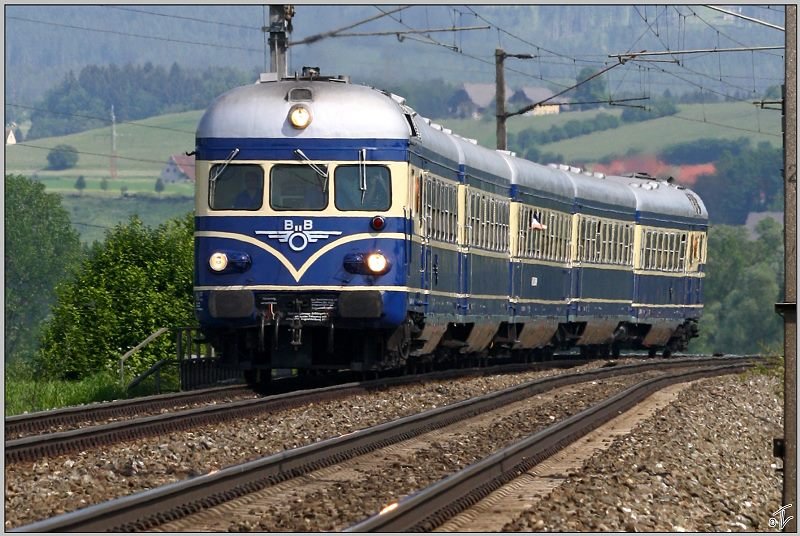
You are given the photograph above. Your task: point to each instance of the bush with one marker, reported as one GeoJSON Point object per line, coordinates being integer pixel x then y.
{"type": "Point", "coordinates": [62, 157]}
{"type": "Point", "coordinates": [135, 282]}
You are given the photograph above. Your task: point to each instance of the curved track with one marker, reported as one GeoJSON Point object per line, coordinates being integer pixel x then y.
{"type": "Point", "coordinates": [145, 510]}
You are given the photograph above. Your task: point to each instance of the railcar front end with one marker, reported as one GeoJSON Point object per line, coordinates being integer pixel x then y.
{"type": "Point", "coordinates": [301, 239]}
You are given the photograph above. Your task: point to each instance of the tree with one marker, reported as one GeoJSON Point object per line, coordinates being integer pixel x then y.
{"type": "Point", "coordinates": [41, 249]}
{"type": "Point", "coordinates": [62, 156]}
{"type": "Point", "coordinates": [744, 281]}
{"type": "Point", "coordinates": [748, 181]}
{"type": "Point", "coordinates": [592, 91]}
{"type": "Point", "coordinates": [136, 281]}
{"type": "Point", "coordinates": [159, 185]}
{"type": "Point", "coordinates": [104, 184]}
{"type": "Point", "coordinates": [80, 184]}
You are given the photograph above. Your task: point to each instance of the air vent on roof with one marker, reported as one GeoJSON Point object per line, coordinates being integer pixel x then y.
{"type": "Point", "coordinates": [299, 94]}
{"type": "Point", "coordinates": [694, 202]}
{"type": "Point", "coordinates": [412, 127]}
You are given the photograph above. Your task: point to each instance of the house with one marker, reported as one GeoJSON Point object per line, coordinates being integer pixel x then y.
{"type": "Point", "coordinates": [531, 95]}
{"type": "Point", "coordinates": [11, 139]}
{"type": "Point", "coordinates": [473, 100]}
{"type": "Point", "coordinates": [179, 168]}
{"type": "Point", "coordinates": [754, 218]}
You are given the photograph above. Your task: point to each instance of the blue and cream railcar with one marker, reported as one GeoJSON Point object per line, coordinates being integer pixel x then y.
{"type": "Point", "coordinates": [319, 253]}
{"type": "Point", "coordinates": [335, 228]}
{"type": "Point", "coordinates": [669, 255]}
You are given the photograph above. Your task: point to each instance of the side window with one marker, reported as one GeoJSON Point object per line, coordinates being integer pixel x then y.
{"type": "Point", "coordinates": [297, 187]}
{"type": "Point", "coordinates": [236, 187]}
{"type": "Point", "coordinates": [371, 192]}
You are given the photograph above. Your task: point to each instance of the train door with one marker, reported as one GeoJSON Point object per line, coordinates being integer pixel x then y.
{"type": "Point", "coordinates": [425, 257]}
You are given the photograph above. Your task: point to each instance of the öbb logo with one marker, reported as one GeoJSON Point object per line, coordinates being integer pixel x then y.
{"type": "Point", "coordinates": [298, 235]}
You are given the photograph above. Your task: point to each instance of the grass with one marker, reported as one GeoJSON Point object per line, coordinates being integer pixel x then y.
{"type": "Point", "coordinates": [143, 148]}
{"type": "Point", "coordinates": [692, 122]}
{"type": "Point", "coordinates": [26, 391]}
{"type": "Point", "coordinates": [92, 215]}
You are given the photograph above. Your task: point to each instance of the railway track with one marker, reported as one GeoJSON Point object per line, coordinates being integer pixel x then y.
{"type": "Point", "coordinates": [149, 509]}
{"type": "Point", "coordinates": [123, 420]}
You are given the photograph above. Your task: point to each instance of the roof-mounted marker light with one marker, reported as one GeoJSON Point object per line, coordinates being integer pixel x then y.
{"type": "Point", "coordinates": [299, 116]}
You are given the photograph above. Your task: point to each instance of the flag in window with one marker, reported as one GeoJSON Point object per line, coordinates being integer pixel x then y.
{"type": "Point", "coordinates": [535, 225]}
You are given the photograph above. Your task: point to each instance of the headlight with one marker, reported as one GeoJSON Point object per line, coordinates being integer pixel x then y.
{"type": "Point", "coordinates": [218, 261]}
{"type": "Point", "coordinates": [299, 116]}
{"type": "Point", "coordinates": [377, 263]}
{"type": "Point", "coordinates": [367, 263]}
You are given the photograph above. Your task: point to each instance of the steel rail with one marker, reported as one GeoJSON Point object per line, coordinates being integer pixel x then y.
{"type": "Point", "coordinates": [69, 416]}
{"type": "Point", "coordinates": [33, 447]}
{"type": "Point", "coordinates": [430, 507]}
{"type": "Point", "coordinates": [146, 509]}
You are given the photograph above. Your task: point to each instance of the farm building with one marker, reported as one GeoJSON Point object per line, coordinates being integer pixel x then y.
{"type": "Point", "coordinates": [179, 168]}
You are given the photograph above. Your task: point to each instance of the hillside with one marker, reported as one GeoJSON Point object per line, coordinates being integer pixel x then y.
{"type": "Point", "coordinates": [144, 147]}
{"type": "Point", "coordinates": [722, 120]}
{"type": "Point", "coordinates": [44, 42]}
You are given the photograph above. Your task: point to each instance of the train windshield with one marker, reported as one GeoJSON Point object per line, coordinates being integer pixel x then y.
{"type": "Point", "coordinates": [297, 187]}
{"type": "Point", "coordinates": [362, 188]}
{"type": "Point", "coordinates": [236, 187]}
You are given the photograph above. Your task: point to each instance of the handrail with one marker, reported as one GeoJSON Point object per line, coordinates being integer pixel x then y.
{"type": "Point", "coordinates": [155, 369]}
{"type": "Point", "coordinates": [136, 348]}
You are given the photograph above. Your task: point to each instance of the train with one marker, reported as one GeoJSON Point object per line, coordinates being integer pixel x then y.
{"type": "Point", "coordinates": [337, 229]}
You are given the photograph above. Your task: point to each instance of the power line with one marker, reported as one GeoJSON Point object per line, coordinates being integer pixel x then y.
{"type": "Point", "coordinates": [241, 26]}
{"type": "Point", "coordinates": [127, 34]}
{"type": "Point", "coordinates": [757, 21]}
{"type": "Point", "coordinates": [97, 118]}
{"type": "Point", "coordinates": [723, 125]}
{"type": "Point", "coordinates": [160, 162]}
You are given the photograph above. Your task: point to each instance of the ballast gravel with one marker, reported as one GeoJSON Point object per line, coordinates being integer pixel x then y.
{"type": "Point", "coordinates": [702, 464]}
{"type": "Point", "coordinates": [50, 486]}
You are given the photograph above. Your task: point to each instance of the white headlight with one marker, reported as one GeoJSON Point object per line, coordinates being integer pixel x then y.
{"type": "Point", "coordinates": [218, 261]}
{"type": "Point", "coordinates": [376, 263]}
{"type": "Point", "coordinates": [299, 116]}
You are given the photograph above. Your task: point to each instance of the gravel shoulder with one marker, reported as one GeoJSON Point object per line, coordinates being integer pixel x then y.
{"type": "Point", "coordinates": [702, 464]}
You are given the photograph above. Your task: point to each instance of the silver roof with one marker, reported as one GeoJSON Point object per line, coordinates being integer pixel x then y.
{"type": "Point", "coordinates": [343, 110]}
{"type": "Point", "coordinates": [658, 196]}
{"type": "Point", "coordinates": [338, 110]}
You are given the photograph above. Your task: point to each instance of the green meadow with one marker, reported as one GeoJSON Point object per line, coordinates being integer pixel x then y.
{"type": "Point", "coordinates": [692, 122]}
{"type": "Point", "coordinates": [144, 147]}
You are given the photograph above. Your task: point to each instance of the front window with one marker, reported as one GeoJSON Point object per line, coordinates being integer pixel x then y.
{"type": "Point", "coordinates": [236, 187]}
{"type": "Point", "coordinates": [298, 187]}
{"type": "Point", "coordinates": [370, 191]}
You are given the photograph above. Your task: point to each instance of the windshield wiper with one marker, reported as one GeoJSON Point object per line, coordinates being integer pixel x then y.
{"type": "Point", "coordinates": [319, 171]}
{"type": "Point", "coordinates": [213, 180]}
{"type": "Point", "coordinates": [362, 173]}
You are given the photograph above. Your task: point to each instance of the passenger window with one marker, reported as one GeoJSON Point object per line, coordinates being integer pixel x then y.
{"type": "Point", "coordinates": [371, 194]}
{"type": "Point", "coordinates": [298, 187]}
{"type": "Point", "coordinates": [236, 187]}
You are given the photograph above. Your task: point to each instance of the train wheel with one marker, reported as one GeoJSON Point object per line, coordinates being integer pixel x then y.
{"type": "Point", "coordinates": [259, 378]}
{"type": "Point", "coordinates": [652, 352]}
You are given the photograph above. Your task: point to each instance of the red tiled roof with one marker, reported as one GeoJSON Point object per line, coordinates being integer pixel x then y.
{"type": "Point", "coordinates": [185, 164]}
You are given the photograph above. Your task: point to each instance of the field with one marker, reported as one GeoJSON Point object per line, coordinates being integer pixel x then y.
{"type": "Point", "coordinates": [144, 147]}
{"type": "Point", "coordinates": [692, 122]}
